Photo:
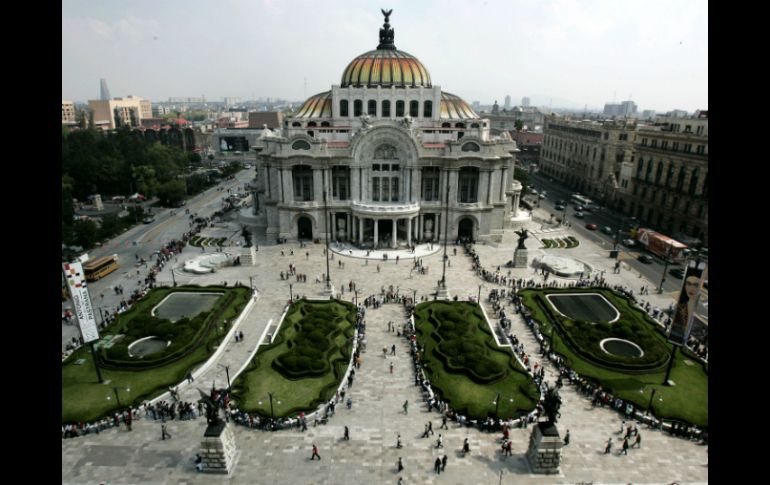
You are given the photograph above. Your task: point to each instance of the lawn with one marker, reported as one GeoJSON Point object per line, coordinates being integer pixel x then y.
{"type": "Point", "coordinates": [304, 365]}
{"type": "Point", "coordinates": [466, 367]}
{"type": "Point", "coordinates": [686, 401]}
{"type": "Point", "coordinates": [84, 399]}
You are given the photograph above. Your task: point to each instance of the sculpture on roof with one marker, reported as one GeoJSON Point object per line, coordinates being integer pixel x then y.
{"type": "Point", "coordinates": [522, 237]}
{"type": "Point", "coordinates": [386, 33]}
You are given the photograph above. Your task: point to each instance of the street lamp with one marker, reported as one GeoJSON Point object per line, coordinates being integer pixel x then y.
{"type": "Point", "coordinates": [446, 230]}
{"type": "Point", "coordinates": [665, 267]}
{"type": "Point", "coordinates": [270, 394]}
{"type": "Point", "coordinates": [227, 373]}
{"type": "Point", "coordinates": [496, 402]}
{"type": "Point", "coordinates": [478, 300]}
{"type": "Point", "coordinates": [117, 397]}
{"type": "Point", "coordinates": [326, 223]}
{"type": "Point", "coordinates": [291, 295]}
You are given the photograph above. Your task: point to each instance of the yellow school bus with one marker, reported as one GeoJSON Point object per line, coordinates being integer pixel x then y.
{"type": "Point", "coordinates": [97, 269]}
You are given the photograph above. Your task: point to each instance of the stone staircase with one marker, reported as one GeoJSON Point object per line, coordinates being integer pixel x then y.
{"type": "Point", "coordinates": [249, 256]}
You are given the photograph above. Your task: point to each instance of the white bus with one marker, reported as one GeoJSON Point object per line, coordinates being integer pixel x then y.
{"type": "Point", "coordinates": [578, 199]}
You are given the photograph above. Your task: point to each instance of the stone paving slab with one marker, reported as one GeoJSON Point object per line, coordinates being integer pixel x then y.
{"type": "Point", "coordinates": [121, 457]}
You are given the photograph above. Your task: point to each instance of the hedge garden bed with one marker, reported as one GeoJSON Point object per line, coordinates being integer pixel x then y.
{"type": "Point", "coordinates": [192, 342]}
{"type": "Point", "coordinates": [305, 363]}
{"type": "Point", "coordinates": [631, 379]}
{"type": "Point", "coordinates": [466, 367]}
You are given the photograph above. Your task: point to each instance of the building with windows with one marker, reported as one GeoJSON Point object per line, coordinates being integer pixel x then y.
{"type": "Point", "coordinates": [115, 113]}
{"type": "Point", "coordinates": [68, 113]}
{"type": "Point", "coordinates": [588, 156]}
{"type": "Point", "coordinates": [375, 159]}
{"type": "Point", "coordinates": [669, 182]}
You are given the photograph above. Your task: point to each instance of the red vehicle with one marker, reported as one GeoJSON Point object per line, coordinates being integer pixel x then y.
{"type": "Point", "coordinates": [661, 245]}
{"type": "Point", "coordinates": [591, 227]}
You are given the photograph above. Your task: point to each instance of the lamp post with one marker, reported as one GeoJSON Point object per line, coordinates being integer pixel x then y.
{"type": "Point", "coordinates": [173, 278]}
{"type": "Point", "coordinates": [326, 223]}
{"type": "Point", "coordinates": [291, 295]}
{"type": "Point", "coordinates": [117, 396]}
{"type": "Point", "coordinates": [665, 267]}
{"type": "Point", "coordinates": [446, 230]}
{"type": "Point", "coordinates": [496, 402]}
{"type": "Point", "coordinates": [227, 373]}
{"type": "Point", "coordinates": [478, 300]}
{"type": "Point", "coordinates": [271, 404]}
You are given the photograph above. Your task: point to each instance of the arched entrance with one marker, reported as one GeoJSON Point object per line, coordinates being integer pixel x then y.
{"type": "Point", "coordinates": [304, 228]}
{"type": "Point", "coordinates": [465, 229]}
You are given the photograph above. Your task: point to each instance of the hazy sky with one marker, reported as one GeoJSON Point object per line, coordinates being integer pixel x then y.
{"type": "Point", "coordinates": [572, 52]}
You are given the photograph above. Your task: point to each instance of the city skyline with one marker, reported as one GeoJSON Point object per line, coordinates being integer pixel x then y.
{"type": "Point", "coordinates": [575, 54]}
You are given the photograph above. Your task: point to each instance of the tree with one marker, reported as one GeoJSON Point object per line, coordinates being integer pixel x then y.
{"type": "Point", "coordinates": [518, 124]}
{"type": "Point", "coordinates": [111, 226]}
{"type": "Point", "coordinates": [86, 233]}
{"type": "Point", "coordinates": [522, 176]}
{"type": "Point", "coordinates": [172, 192]}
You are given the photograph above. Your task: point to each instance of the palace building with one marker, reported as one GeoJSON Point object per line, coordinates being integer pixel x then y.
{"type": "Point", "coordinates": [384, 159]}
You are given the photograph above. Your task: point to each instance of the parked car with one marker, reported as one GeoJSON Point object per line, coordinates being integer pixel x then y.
{"type": "Point", "coordinates": [591, 227]}
{"type": "Point", "coordinates": [579, 208]}
{"type": "Point", "coordinates": [559, 207]}
{"type": "Point", "coordinates": [561, 202]}
{"type": "Point", "coordinates": [148, 220]}
{"type": "Point", "coordinates": [645, 258]}
{"type": "Point", "coordinates": [542, 195]}
{"type": "Point", "coordinates": [533, 191]}
{"type": "Point", "coordinates": [607, 230]}
{"type": "Point", "coordinates": [629, 242]}
{"type": "Point", "coordinates": [579, 215]}
{"type": "Point", "coordinates": [677, 272]}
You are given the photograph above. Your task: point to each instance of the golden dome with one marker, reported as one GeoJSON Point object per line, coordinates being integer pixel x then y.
{"type": "Point", "coordinates": [454, 107]}
{"type": "Point", "coordinates": [318, 106]}
{"type": "Point", "coordinates": [386, 67]}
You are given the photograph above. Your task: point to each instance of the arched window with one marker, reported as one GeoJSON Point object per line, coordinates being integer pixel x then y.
{"type": "Point", "coordinates": [427, 110]}
{"type": "Point", "coordinates": [311, 124]}
{"type": "Point", "coordinates": [399, 108]}
{"type": "Point", "coordinates": [471, 147]}
{"type": "Point", "coordinates": [459, 125]}
{"type": "Point", "coordinates": [659, 172]}
{"type": "Point", "coordinates": [296, 123]}
{"type": "Point", "coordinates": [358, 107]}
{"type": "Point", "coordinates": [474, 125]}
{"type": "Point", "coordinates": [414, 109]}
{"type": "Point", "coordinates": [468, 185]}
{"type": "Point", "coordinates": [302, 176]}
{"type": "Point", "coordinates": [446, 125]}
{"type": "Point", "coordinates": [325, 123]}
{"type": "Point", "coordinates": [300, 145]}
{"type": "Point", "coordinates": [693, 182]}
{"type": "Point", "coordinates": [386, 109]}
{"type": "Point", "coordinates": [343, 107]}
{"type": "Point", "coordinates": [372, 107]}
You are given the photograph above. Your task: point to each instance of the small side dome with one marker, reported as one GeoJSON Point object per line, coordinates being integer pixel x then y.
{"type": "Point", "coordinates": [453, 107]}
{"type": "Point", "coordinates": [318, 106]}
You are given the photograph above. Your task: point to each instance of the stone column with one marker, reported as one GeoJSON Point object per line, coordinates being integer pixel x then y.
{"type": "Point", "coordinates": [318, 194]}
{"type": "Point", "coordinates": [490, 176]}
{"type": "Point", "coordinates": [503, 183]}
{"type": "Point", "coordinates": [376, 233]}
{"type": "Point", "coordinates": [288, 192]}
{"type": "Point", "coordinates": [409, 231]}
{"type": "Point", "coordinates": [420, 226]}
{"type": "Point", "coordinates": [452, 178]}
{"type": "Point", "coordinates": [360, 230]}
{"type": "Point", "coordinates": [483, 188]}
{"type": "Point", "coordinates": [354, 192]}
{"type": "Point", "coordinates": [394, 243]}
{"type": "Point", "coordinates": [349, 228]}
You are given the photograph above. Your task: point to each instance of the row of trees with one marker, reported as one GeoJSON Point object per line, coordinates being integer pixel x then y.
{"type": "Point", "coordinates": [120, 163]}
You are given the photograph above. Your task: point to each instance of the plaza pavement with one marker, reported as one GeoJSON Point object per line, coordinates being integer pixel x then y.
{"type": "Point", "coordinates": [140, 457]}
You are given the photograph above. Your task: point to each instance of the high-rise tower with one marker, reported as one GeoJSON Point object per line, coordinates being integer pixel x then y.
{"type": "Point", "coordinates": [104, 92]}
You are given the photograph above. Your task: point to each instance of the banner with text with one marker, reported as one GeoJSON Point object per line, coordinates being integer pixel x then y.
{"type": "Point", "coordinates": [76, 283]}
{"type": "Point", "coordinates": [688, 299]}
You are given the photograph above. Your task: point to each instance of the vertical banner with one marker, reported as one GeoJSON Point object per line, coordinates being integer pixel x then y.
{"type": "Point", "coordinates": [687, 302]}
{"type": "Point", "coordinates": [81, 301]}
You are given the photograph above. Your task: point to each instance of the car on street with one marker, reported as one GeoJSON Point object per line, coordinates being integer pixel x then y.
{"type": "Point", "coordinates": [559, 207]}
{"type": "Point", "coordinates": [591, 227]}
{"type": "Point", "coordinates": [579, 208]}
{"type": "Point", "coordinates": [677, 272]}
{"type": "Point", "coordinates": [645, 258]}
{"type": "Point", "coordinates": [148, 220]}
{"type": "Point", "coordinates": [542, 195]}
{"type": "Point", "coordinates": [248, 165]}
{"type": "Point", "coordinates": [561, 202]}
{"type": "Point", "coordinates": [629, 242]}
{"type": "Point", "coordinates": [607, 230]}
{"type": "Point", "coordinates": [579, 215]}
{"type": "Point", "coordinates": [533, 191]}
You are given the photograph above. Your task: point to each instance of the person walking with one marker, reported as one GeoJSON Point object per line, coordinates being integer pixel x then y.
{"type": "Point", "coordinates": [189, 377]}
{"type": "Point", "coordinates": [440, 441]}
{"type": "Point", "coordinates": [393, 350]}
{"type": "Point", "coordinates": [163, 432]}
{"type": "Point", "coordinates": [406, 406]}
{"type": "Point", "coordinates": [391, 367]}
{"type": "Point", "coordinates": [347, 434]}
{"type": "Point", "coordinates": [315, 453]}
{"type": "Point", "coordinates": [509, 448]}
{"type": "Point", "coordinates": [466, 447]}
{"type": "Point", "coordinates": [638, 441]}
{"type": "Point", "coordinates": [430, 427]}
{"type": "Point", "coordinates": [437, 466]}
{"type": "Point", "coordinates": [398, 442]}
{"type": "Point", "coordinates": [443, 423]}
{"type": "Point", "coordinates": [566, 438]}
{"type": "Point", "coordinates": [608, 448]}
{"type": "Point", "coordinates": [400, 465]}
{"type": "Point", "coordinates": [443, 463]}
{"type": "Point", "coordinates": [425, 433]}
{"type": "Point", "coordinates": [625, 446]}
